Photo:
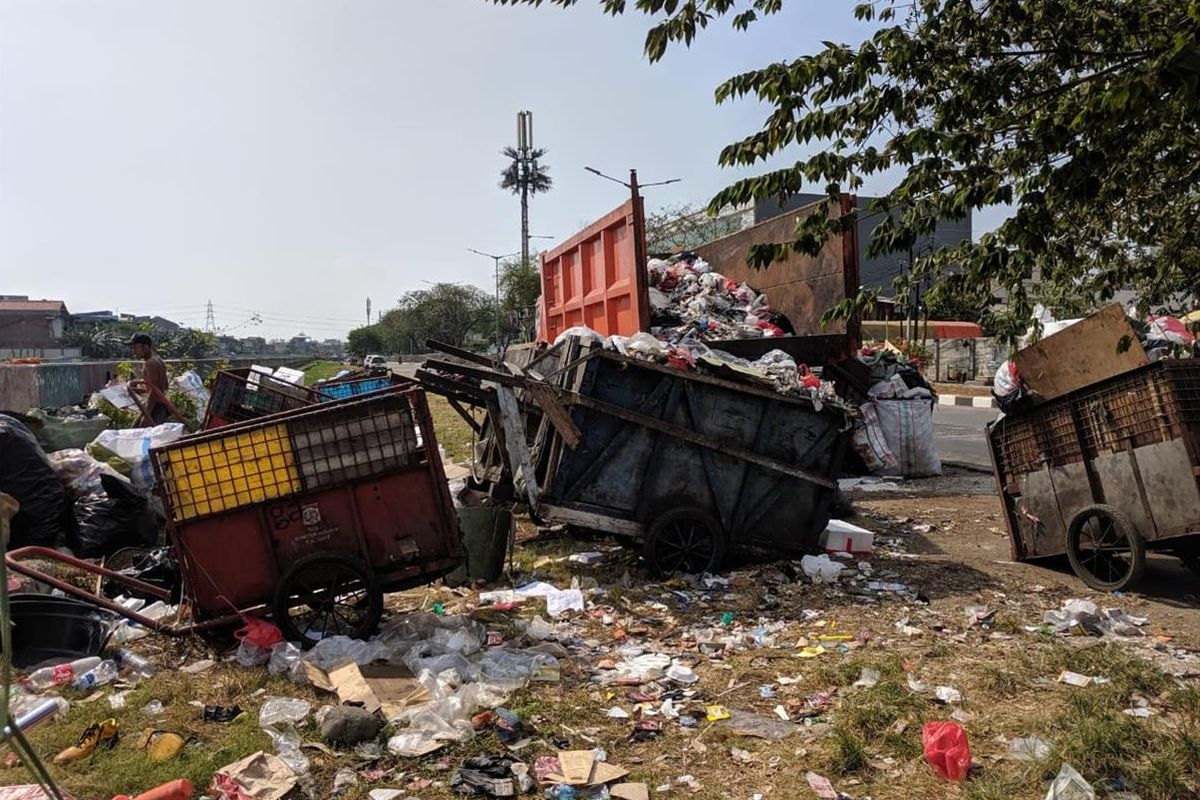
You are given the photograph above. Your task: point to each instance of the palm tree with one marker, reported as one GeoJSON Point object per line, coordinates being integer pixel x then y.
{"type": "Point", "coordinates": [524, 176]}
{"type": "Point", "coordinates": [539, 175]}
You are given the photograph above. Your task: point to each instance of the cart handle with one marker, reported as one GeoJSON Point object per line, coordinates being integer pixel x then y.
{"type": "Point", "coordinates": [13, 561]}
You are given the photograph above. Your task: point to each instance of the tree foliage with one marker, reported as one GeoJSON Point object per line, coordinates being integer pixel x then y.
{"type": "Point", "coordinates": [1082, 115]}
{"type": "Point", "coordinates": [364, 340]}
{"type": "Point", "coordinates": [520, 287]}
{"type": "Point", "coordinates": [683, 226]}
{"type": "Point", "coordinates": [455, 313]}
{"type": "Point", "coordinates": [539, 174]}
{"type": "Point", "coordinates": [108, 340]}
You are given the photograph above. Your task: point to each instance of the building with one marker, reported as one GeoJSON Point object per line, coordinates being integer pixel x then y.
{"type": "Point", "coordinates": [254, 345]}
{"type": "Point", "coordinates": [26, 323]}
{"type": "Point", "coordinates": [875, 272]}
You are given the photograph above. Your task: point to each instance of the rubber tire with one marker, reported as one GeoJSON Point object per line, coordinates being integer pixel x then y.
{"type": "Point", "coordinates": [281, 605]}
{"type": "Point", "coordinates": [651, 545]}
{"type": "Point", "coordinates": [1137, 548]}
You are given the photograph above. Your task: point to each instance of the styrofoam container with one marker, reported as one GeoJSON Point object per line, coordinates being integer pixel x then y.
{"type": "Point", "coordinates": [843, 537]}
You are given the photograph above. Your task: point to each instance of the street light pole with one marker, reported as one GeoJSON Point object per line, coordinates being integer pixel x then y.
{"type": "Point", "coordinates": [496, 259]}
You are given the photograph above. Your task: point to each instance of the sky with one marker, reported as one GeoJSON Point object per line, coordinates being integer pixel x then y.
{"type": "Point", "coordinates": [292, 158]}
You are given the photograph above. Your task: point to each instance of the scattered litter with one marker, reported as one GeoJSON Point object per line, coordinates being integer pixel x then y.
{"type": "Point", "coordinates": [1084, 618]}
{"type": "Point", "coordinates": [1070, 785]}
{"type": "Point", "coordinates": [153, 708]}
{"type": "Point", "coordinates": [821, 569]}
{"type": "Point", "coordinates": [867, 678]}
{"type": "Point", "coordinates": [260, 775]}
{"type": "Point", "coordinates": [743, 756]}
{"type": "Point", "coordinates": [916, 686]}
{"type": "Point", "coordinates": [616, 712]}
{"type": "Point", "coordinates": [948, 694]}
{"type": "Point", "coordinates": [1029, 748]}
{"type": "Point", "coordinates": [196, 667]}
{"type": "Point", "coordinates": [1075, 679]}
{"type": "Point", "coordinates": [283, 709]}
{"type": "Point", "coordinates": [947, 749]}
{"type": "Point", "coordinates": [714, 713]}
{"type": "Point", "coordinates": [821, 785]}
{"type": "Point", "coordinates": [221, 713]}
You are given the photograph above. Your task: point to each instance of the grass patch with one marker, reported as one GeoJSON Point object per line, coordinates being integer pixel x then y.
{"type": "Point", "coordinates": [992, 785]}
{"type": "Point", "coordinates": [847, 751]}
{"type": "Point", "coordinates": [320, 370]}
{"type": "Point", "coordinates": [453, 432]}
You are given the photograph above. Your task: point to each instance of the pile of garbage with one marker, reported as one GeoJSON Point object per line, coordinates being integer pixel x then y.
{"type": "Point", "coordinates": [94, 501]}
{"type": "Point", "coordinates": [689, 300]}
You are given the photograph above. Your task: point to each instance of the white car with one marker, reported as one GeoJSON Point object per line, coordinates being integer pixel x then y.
{"type": "Point", "coordinates": [370, 362]}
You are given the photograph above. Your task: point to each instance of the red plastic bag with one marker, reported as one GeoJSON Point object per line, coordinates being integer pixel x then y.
{"type": "Point", "coordinates": [947, 749]}
{"type": "Point", "coordinates": [259, 633]}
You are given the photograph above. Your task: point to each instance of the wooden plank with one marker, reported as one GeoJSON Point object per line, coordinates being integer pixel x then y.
{"type": "Point", "coordinates": [592, 521]}
{"type": "Point", "coordinates": [547, 400]}
{"type": "Point", "coordinates": [1095, 348]}
{"type": "Point", "coordinates": [514, 442]}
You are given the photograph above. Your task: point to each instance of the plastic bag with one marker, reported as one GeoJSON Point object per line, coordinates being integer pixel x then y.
{"type": "Point", "coordinates": [79, 471]}
{"type": "Point", "coordinates": [191, 384]}
{"type": "Point", "coordinates": [282, 709]}
{"type": "Point", "coordinates": [134, 446]}
{"type": "Point", "coordinates": [285, 658]}
{"type": "Point", "coordinates": [45, 516]}
{"type": "Point", "coordinates": [121, 517]}
{"type": "Point", "coordinates": [821, 568]}
{"type": "Point", "coordinates": [947, 749]}
{"type": "Point", "coordinates": [907, 427]}
{"type": "Point", "coordinates": [65, 433]}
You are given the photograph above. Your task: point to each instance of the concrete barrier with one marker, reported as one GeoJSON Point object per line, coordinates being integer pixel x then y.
{"type": "Point", "coordinates": [26, 386]}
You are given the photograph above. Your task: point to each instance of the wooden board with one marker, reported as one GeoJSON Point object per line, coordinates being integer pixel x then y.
{"type": "Point", "coordinates": [1091, 350]}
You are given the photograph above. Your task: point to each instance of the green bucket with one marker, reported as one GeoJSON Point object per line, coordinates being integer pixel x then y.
{"type": "Point", "coordinates": [485, 533]}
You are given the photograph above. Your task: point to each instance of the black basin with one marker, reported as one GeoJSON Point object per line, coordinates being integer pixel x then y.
{"type": "Point", "coordinates": [55, 629]}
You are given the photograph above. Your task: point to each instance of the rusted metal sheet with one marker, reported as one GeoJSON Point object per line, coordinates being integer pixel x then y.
{"type": "Point", "coordinates": [1118, 477]}
{"type": "Point", "coordinates": [598, 277]}
{"type": "Point", "coordinates": [801, 287]}
{"type": "Point", "coordinates": [1171, 487]}
{"type": "Point", "coordinates": [1038, 515]}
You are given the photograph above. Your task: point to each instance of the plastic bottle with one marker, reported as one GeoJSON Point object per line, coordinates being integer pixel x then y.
{"type": "Point", "coordinates": [127, 659]}
{"type": "Point", "coordinates": [46, 677]}
{"type": "Point", "coordinates": [566, 793]}
{"type": "Point", "coordinates": [102, 673]}
{"type": "Point", "coordinates": [175, 790]}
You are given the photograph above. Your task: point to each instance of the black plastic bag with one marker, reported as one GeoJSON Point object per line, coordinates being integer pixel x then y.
{"type": "Point", "coordinates": [121, 517]}
{"type": "Point", "coordinates": [45, 517]}
{"type": "Point", "coordinates": [156, 567]}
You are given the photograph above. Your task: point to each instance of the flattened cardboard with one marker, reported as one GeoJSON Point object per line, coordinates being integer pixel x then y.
{"type": "Point", "coordinates": [630, 791]}
{"type": "Point", "coordinates": [1095, 348]}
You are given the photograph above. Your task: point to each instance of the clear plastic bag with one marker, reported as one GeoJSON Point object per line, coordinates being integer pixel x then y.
{"type": "Point", "coordinates": [285, 659]}
{"type": "Point", "coordinates": [282, 709]}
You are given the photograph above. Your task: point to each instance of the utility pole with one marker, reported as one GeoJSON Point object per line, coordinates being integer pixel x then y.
{"type": "Point", "coordinates": [524, 174]}
{"type": "Point", "coordinates": [368, 312]}
{"type": "Point", "coordinates": [210, 320]}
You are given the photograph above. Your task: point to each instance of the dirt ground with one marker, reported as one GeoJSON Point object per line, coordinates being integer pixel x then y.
{"type": "Point", "coordinates": [935, 625]}
{"type": "Point", "coordinates": [969, 529]}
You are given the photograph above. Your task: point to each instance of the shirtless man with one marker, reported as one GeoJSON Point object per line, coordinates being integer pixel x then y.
{"type": "Point", "coordinates": [154, 373]}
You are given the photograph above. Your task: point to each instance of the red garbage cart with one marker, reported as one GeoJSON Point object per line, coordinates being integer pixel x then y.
{"type": "Point", "coordinates": [308, 515]}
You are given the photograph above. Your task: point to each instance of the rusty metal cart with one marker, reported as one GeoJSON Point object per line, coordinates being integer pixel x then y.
{"type": "Point", "coordinates": [309, 515]}
{"type": "Point", "coordinates": [690, 464]}
{"type": "Point", "coordinates": [1105, 473]}
{"type": "Point", "coordinates": [239, 395]}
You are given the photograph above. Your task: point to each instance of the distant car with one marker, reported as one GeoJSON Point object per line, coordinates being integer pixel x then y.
{"type": "Point", "coordinates": [372, 362]}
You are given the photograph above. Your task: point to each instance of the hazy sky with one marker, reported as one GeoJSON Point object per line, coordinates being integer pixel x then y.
{"type": "Point", "coordinates": [293, 157]}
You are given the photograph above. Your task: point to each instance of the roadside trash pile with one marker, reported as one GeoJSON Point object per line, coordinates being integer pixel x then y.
{"type": "Point", "coordinates": [894, 434]}
{"type": "Point", "coordinates": [718, 667]}
{"type": "Point", "coordinates": [93, 501]}
{"type": "Point", "coordinates": [689, 300]}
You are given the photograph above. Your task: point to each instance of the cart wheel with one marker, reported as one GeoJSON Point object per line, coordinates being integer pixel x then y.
{"type": "Point", "coordinates": [684, 540]}
{"type": "Point", "coordinates": [1105, 550]}
{"type": "Point", "coordinates": [327, 594]}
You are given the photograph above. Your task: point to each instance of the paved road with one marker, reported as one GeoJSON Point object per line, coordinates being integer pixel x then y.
{"type": "Point", "coordinates": [958, 431]}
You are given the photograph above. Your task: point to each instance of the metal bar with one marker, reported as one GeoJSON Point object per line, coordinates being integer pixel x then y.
{"type": "Point", "coordinates": [479, 374]}
{"type": "Point", "coordinates": [13, 559]}
{"type": "Point", "coordinates": [594, 521]}
{"type": "Point", "coordinates": [467, 418]}
{"type": "Point", "coordinates": [703, 441]}
{"type": "Point", "coordinates": [458, 352]}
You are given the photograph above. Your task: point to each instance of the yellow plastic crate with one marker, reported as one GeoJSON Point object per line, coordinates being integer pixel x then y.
{"type": "Point", "coordinates": [229, 472]}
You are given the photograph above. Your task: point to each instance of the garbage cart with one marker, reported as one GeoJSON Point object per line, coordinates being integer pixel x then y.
{"type": "Point", "coordinates": [308, 515]}
{"type": "Point", "coordinates": [1106, 472]}
{"type": "Point", "coordinates": [244, 394]}
{"type": "Point", "coordinates": [689, 464]}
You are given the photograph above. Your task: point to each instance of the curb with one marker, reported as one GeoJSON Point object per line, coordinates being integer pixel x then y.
{"type": "Point", "coordinates": [986, 401]}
